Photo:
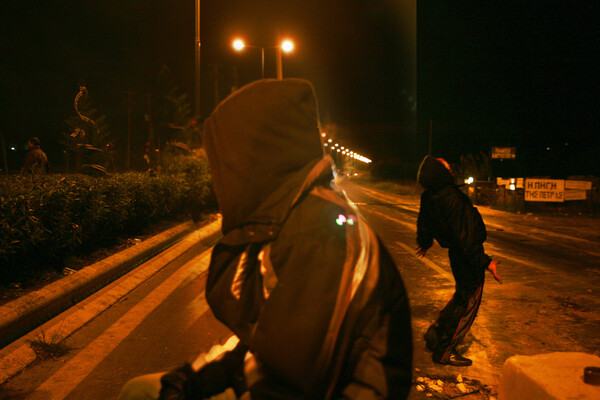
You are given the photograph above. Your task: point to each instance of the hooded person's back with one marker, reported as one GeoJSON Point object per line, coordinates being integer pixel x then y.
{"type": "Point", "coordinates": [447, 214]}
{"type": "Point", "coordinates": [298, 275]}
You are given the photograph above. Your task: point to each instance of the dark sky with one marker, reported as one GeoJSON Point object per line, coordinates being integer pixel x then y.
{"type": "Point", "coordinates": [484, 73]}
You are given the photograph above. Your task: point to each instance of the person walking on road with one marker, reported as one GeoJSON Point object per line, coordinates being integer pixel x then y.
{"type": "Point", "coordinates": [315, 299]}
{"type": "Point", "coordinates": [36, 161]}
{"type": "Point", "coordinates": [447, 215]}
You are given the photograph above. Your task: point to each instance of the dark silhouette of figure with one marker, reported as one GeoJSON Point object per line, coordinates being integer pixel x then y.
{"type": "Point", "coordinates": [448, 216]}
{"type": "Point", "coordinates": [36, 161]}
{"type": "Point", "coordinates": [316, 301]}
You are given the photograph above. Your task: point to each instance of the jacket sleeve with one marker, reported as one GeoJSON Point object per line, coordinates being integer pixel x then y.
{"type": "Point", "coordinates": [468, 230]}
{"type": "Point", "coordinates": [425, 223]}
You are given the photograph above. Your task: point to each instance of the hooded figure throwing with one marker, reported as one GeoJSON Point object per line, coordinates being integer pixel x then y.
{"type": "Point", "coordinates": [448, 216]}
{"type": "Point", "coordinates": [318, 306]}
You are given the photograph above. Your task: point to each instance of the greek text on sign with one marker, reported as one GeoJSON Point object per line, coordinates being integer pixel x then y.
{"type": "Point", "coordinates": [504, 152]}
{"type": "Point", "coordinates": [544, 190]}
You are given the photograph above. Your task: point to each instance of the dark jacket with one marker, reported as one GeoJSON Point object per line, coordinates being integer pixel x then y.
{"type": "Point", "coordinates": [36, 161]}
{"type": "Point", "coordinates": [448, 216]}
{"type": "Point", "coordinates": [299, 277]}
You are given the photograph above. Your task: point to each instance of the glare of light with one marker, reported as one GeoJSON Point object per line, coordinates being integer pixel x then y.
{"type": "Point", "coordinates": [469, 180]}
{"type": "Point", "coordinates": [287, 46]}
{"type": "Point", "coordinates": [238, 44]}
{"type": "Point", "coordinates": [512, 186]}
{"type": "Point", "coordinates": [330, 140]}
{"type": "Point", "coordinates": [323, 134]}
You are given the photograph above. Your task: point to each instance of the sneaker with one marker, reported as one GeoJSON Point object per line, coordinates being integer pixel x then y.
{"type": "Point", "coordinates": [457, 360]}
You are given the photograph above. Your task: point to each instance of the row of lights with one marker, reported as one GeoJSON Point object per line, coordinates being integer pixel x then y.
{"type": "Point", "coordinates": [328, 143]}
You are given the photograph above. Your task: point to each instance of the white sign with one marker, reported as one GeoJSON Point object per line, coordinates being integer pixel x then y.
{"type": "Point", "coordinates": [519, 183]}
{"type": "Point", "coordinates": [544, 190]}
{"type": "Point", "coordinates": [575, 194]}
{"type": "Point", "coordinates": [504, 152]}
{"type": "Point", "coordinates": [581, 185]}
{"type": "Point", "coordinates": [502, 181]}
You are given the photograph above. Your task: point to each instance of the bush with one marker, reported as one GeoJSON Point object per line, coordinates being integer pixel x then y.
{"type": "Point", "coordinates": [47, 219]}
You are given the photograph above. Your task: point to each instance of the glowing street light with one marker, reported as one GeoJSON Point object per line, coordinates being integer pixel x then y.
{"type": "Point", "coordinates": [285, 46]}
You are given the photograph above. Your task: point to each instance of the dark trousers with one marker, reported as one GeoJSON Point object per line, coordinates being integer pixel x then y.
{"type": "Point", "coordinates": [456, 318]}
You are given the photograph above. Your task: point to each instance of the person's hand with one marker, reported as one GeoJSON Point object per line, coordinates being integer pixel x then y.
{"type": "Point", "coordinates": [421, 251]}
{"type": "Point", "coordinates": [492, 268]}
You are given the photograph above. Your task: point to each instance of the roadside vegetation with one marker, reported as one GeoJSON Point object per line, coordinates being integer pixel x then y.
{"type": "Point", "coordinates": [47, 220]}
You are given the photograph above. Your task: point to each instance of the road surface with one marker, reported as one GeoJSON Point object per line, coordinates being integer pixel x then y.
{"type": "Point", "coordinates": [548, 302]}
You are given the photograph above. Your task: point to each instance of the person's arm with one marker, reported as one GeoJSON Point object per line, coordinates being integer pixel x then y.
{"type": "Point", "coordinates": [424, 226]}
{"type": "Point", "coordinates": [227, 371]}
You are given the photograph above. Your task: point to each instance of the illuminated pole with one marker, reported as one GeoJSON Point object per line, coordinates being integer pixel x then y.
{"type": "Point", "coordinates": [262, 52]}
{"type": "Point", "coordinates": [279, 64]}
{"type": "Point", "coordinates": [197, 94]}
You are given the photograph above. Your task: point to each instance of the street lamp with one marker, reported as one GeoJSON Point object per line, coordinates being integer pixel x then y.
{"type": "Point", "coordinates": [286, 46]}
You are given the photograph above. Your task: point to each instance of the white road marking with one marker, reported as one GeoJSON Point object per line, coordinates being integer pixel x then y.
{"type": "Point", "coordinates": [427, 262]}
{"type": "Point", "coordinates": [18, 355]}
{"type": "Point", "coordinates": [59, 385]}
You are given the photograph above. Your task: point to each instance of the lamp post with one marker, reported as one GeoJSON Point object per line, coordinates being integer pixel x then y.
{"type": "Point", "coordinates": [197, 47]}
{"type": "Point", "coordinates": [286, 46]}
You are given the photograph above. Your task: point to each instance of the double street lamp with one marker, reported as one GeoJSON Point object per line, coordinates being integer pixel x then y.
{"type": "Point", "coordinates": [285, 46]}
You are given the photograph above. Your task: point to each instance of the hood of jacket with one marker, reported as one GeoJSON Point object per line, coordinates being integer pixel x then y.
{"type": "Point", "coordinates": [262, 143]}
{"type": "Point", "coordinates": [433, 175]}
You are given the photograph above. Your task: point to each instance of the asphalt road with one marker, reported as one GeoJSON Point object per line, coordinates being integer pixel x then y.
{"type": "Point", "coordinates": [548, 302]}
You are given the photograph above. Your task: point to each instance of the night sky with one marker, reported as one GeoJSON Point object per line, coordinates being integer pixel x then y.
{"type": "Point", "coordinates": [483, 73]}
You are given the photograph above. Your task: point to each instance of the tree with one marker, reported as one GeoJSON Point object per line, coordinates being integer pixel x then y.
{"type": "Point", "coordinates": [88, 137]}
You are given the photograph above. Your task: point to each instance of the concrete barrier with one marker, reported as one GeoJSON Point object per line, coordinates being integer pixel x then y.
{"type": "Point", "coordinates": [21, 315]}
{"type": "Point", "coordinates": [552, 376]}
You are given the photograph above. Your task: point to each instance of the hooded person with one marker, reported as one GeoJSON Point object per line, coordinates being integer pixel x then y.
{"type": "Point", "coordinates": [316, 301]}
{"type": "Point", "coordinates": [447, 215]}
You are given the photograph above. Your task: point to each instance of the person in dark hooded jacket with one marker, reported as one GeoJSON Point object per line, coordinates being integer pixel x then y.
{"type": "Point", "coordinates": [312, 295]}
{"type": "Point", "coordinates": [447, 215]}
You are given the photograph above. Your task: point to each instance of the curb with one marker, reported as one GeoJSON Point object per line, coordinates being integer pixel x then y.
{"type": "Point", "coordinates": [26, 313]}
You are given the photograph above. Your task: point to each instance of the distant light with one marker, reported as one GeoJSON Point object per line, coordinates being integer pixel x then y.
{"type": "Point", "coordinates": [336, 145]}
{"type": "Point", "coordinates": [13, 149]}
{"type": "Point", "coordinates": [548, 148]}
{"type": "Point", "coordinates": [469, 180]}
{"type": "Point", "coordinates": [341, 219]}
{"type": "Point", "coordinates": [330, 140]}
{"type": "Point", "coordinates": [323, 134]}
{"type": "Point", "coordinates": [325, 144]}
{"type": "Point", "coordinates": [287, 46]}
{"type": "Point", "coordinates": [342, 147]}
{"type": "Point", "coordinates": [238, 44]}
{"type": "Point", "coordinates": [338, 150]}
{"type": "Point", "coordinates": [512, 186]}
